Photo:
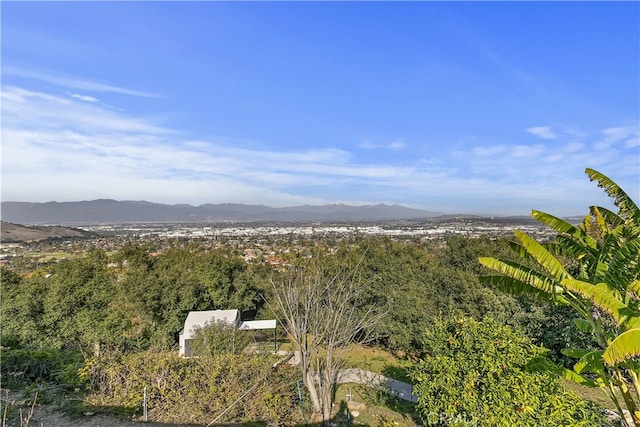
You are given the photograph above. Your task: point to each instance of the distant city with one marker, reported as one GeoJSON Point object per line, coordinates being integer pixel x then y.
{"type": "Point", "coordinates": [74, 228]}
{"type": "Point", "coordinates": [433, 228]}
{"type": "Point", "coordinates": [25, 248]}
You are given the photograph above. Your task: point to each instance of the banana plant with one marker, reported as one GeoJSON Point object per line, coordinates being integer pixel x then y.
{"type": "Point", "coordinates": [604, 289]}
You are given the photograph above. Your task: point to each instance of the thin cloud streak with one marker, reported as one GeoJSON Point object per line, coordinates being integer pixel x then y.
{"type": "Point", "coordinates": [44, 110]}
{"type": "Point", "coordinates": [73, 82]}
{"type": "Point", "coordinates": [85, 98]}
{"type": "Point", "coordinates": [398, 144]}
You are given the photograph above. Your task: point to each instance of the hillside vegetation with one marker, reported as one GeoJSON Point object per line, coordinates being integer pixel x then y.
{"type": "Point", "coordinates": [103, 328]}
{"type": "Point", "coordinates": [130, 302]}
{"type": "Point", "coordinates": [15, 233]}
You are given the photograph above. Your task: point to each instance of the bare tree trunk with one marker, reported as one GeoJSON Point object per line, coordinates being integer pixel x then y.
{"type": "Point", "coordinates": [325, 310]}
{"type": "Point", "coordinates": [327, 390]}
{"type": "Point", "coordinates": [310, 382]}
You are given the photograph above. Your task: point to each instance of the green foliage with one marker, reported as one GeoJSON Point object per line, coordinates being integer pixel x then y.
{"type": "Point", "coordinates": [181, 280]}
{"type": "Point", "coordinates": [218, 338]}
{"type": "Point", "coordinates": [550, 326]}
{"type": "Point", "coordinates": [421, 282]}
{"type": "Point", "coordinates": [603, 254]}
{"type": "Point", "coordinates": [194, 389]}
{"type": "Point", "coordinates": [21, 307]}
{"type": "Point", "coordinates": [628, 209]}
{"type": "Point", "coordinates": [481, 372]}
{"type": "Point", "coordinates": [142, 302]}
{"type": "Point", "coordinates": [23, 368]}
{"type": "Point", "coordinates": [623, 347]}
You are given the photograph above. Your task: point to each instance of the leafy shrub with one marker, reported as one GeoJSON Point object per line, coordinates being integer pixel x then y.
{"type": "Point", "coordinates": [194, 390]}
{"type": "Point", "coordinates": [217, 338]}
{"type": "Point", "coordinates": [21, 367]}
{"type": "Point", "coordinates": [481, 373]}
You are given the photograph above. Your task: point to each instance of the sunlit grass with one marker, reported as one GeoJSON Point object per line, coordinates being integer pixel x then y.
{"type": "Point", "coordinates": [373, 407]}
{"type": "Point", "coordinates": [377, 360]}
{"type": "Point", "coordinates": [592, 394]}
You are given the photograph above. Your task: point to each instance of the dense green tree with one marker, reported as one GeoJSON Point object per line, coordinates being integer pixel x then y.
{"type": "Point", "coordinates": [462, 252]}
{"type": "Point", "coordinates": [183, 280]}
{"type": "Point", "coordinates": [419, 284]}
{"type": "Point", "coordinates": [82, 303]}
{"type": "Point", "coordinates": [75, 296]}
{"type": "Point", "coordinates": [134, 256]}
{"type": "Point", "coordinates": [21, 305]}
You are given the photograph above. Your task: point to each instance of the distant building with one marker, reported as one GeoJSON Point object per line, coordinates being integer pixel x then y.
{"type": "Point", "coordinates": [200, 319]}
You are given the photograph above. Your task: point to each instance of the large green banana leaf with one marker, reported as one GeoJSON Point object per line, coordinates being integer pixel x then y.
{"type": "Point", "coordinates": [624, 347]}
{"type": "Point", "coordinates": [628, 209]}
{"type": "Point", "coordinates": [563, 227]}
{"type": "Point", "coordinates": [603, 297]}
{"type": "Point", "coordinates": [522, 275]}
{"type": "Point", "coordinates": [542, 256]}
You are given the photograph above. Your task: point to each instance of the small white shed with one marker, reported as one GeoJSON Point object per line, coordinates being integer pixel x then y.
{"type": "Point", "coordinates": [201, 319]}
{"type": "Point", "coordinates": [232, 317]}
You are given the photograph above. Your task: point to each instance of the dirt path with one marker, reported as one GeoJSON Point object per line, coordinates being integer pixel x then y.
{"type": "Point", "coordinates": [395, 388]}
{"type": "Point", "coordinates": [49, 416]}
{"type": "Point", "coordinates": [52, 416]}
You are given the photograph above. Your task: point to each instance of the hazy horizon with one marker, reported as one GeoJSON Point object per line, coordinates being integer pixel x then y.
{"type": "Point", "coordinates": [364, 205]}
{"type": "Point", "coordinates": [456, 107]}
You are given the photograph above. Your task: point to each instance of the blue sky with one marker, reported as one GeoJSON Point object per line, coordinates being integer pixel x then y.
{"type": "Point", "coordinates": [489, 108]}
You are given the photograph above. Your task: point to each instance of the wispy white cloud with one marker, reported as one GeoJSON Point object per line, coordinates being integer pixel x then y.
{"type": "Point", "coordinates": [628, 136]}
{"type": "Point", "coordinates": [72, 82]}
{"type": "Point", "coordinates": [552, 176]}
{"type": "Point", "coordinates": [527, 151]}
{"type": "Point", "coordinates": [38, 109]}
{"type": "Point", "coordinates": [65, 148]}
{"type": "Point", "coordinates": [78, 145]}
{"type": "Point", "coordinates": [85, 98]}
{"type": "Point", "coordinates": [544, 132]}
{"type": "Point", "coordinates": [397, 144]}
{"type": "Point", "coordinates": [489, 151]}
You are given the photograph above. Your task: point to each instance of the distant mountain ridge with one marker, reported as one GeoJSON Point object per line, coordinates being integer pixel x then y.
{"type": "Point", "coordinates": [107, 211]}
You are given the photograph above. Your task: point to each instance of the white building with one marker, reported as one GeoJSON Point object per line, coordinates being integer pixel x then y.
{"type": "Point", "coordinates": [199, 319]}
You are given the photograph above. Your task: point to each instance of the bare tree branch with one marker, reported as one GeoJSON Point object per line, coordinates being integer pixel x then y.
{"type": "Point", "coordinates": [324, 308]}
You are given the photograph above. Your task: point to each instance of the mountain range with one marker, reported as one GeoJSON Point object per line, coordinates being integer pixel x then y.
{"type": "Point", "coordinates": [106, 211]}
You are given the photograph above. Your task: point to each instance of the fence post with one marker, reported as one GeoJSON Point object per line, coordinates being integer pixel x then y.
{"type": "Point", "coordinates": [144, 405]}
{"type": "Point", "coordinates": [300, 402]}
